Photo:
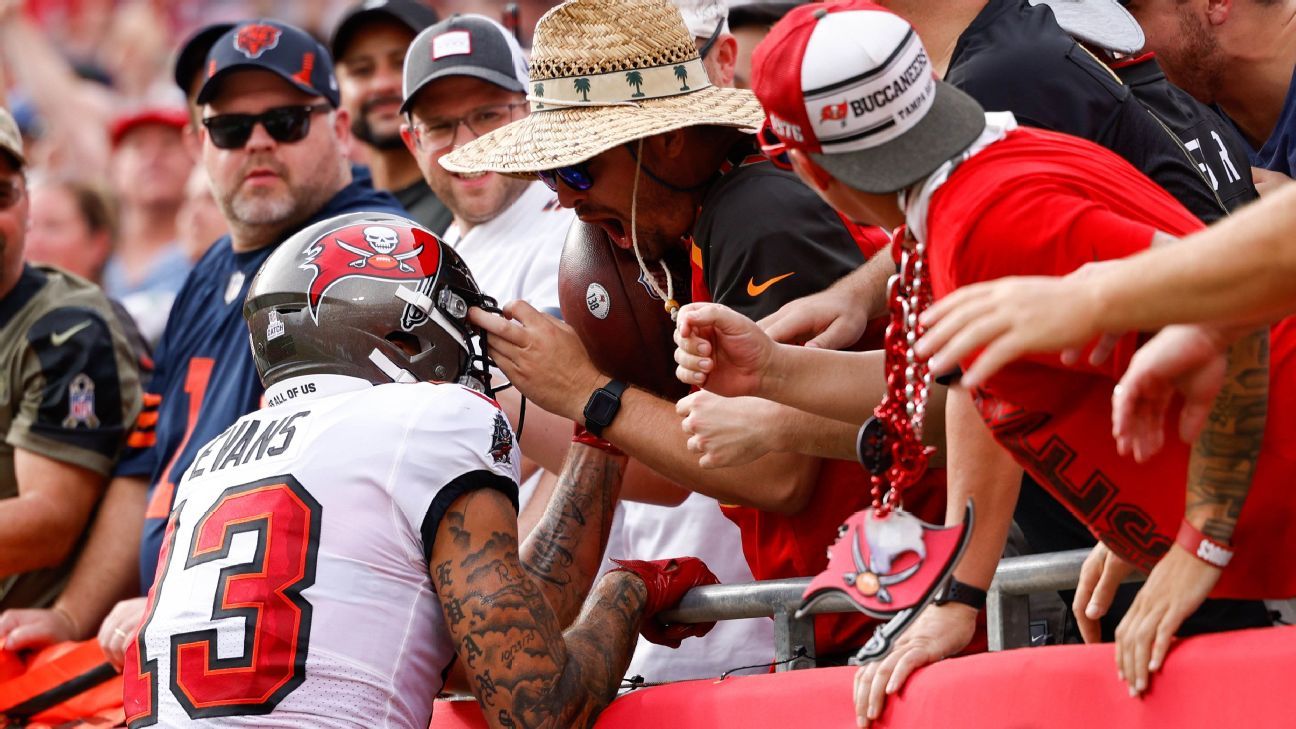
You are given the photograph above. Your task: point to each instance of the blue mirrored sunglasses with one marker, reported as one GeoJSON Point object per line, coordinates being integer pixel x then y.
{"type": "Point", "coordinates": [576, 176]}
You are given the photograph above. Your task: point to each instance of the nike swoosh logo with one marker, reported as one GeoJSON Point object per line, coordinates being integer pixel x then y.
{"type": "Point", "coordinates": [755, 290]}
{"type": "Point", "coordinates": [58, 338]}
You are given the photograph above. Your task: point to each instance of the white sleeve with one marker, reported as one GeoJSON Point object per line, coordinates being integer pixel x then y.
{"type": "Point", "coordinates": [458, 441]}
{"type": "Point", "coordinates": [540, 285]}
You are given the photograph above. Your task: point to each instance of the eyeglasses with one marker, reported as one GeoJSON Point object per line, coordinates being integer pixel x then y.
{"type": "Point", "coordinates": [11, 191]}
{"type": "Point", "coordinates": [437, 134]}
{"type": "Point", "coordinates": [284, 124]}
{"type": "Point", "coordinates": [576, 176]}
{"type": "Point", "coordinates": [772, 147]}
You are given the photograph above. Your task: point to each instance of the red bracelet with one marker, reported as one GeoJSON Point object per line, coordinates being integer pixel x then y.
{"type": "Point", "coordinates": [585, 437]}
{"type": "Point", "coordinates": [1203, 547]}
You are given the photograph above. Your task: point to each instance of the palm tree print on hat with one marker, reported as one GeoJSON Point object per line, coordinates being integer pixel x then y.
{"type": "Point", "coordinates": [681, 73]}
{"type": "Point", "coordinates": [539, 93]}
{"type": "Point", "coordinates": [635, 79]}
{"type": "Point", "coordinates": [582, 87]}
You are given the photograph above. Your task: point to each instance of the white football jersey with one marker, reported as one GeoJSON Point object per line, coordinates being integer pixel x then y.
{"type": "Point", "coordinates": [293, 586]}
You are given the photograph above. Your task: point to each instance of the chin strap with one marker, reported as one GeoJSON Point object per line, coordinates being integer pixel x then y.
{"type": "Point", "coordinates": [667, 296]}
{"type": "Point", "coordinates": [479, 361]}
{"type": "Point", "coordinates": [393, 371]}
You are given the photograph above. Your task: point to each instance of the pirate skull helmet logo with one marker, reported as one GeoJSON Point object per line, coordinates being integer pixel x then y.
{"type": "Point", "coordinates": [381, 238]}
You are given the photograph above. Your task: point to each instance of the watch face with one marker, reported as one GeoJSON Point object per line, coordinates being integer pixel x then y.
{"type": "Point", "coordinates": [602, 407]}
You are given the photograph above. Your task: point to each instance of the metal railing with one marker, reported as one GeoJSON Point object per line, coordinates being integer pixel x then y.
{"type": "Point", "coordinates": [1007, 609]}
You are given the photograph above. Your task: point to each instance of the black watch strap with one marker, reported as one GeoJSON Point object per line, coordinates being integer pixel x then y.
{"type": "Point", "coordinates": [962, 592]}
{"type": "Point", "coordinates": [602, 406]}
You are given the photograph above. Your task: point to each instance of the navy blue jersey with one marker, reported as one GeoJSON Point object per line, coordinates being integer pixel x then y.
{"type": "Point", "coordinates": [1278, 153]}
{"type": "Point", "coordinates": [205, 378]}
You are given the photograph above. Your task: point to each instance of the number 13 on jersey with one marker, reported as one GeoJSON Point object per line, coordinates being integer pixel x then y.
{"type": "Point", "coordinates": [257, 613]}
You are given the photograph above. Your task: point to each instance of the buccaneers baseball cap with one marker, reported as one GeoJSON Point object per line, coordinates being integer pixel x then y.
{"type": "Point", "coordinates": [410, 13]}
{"type": "Point", "coordinates": [464, 45]}
{"type": "Point", "coordinates": [851, 84]}
{"type": "Point", "coordinates": [11, 141]}
{"type": "Point", "coordinates": [272, 46]}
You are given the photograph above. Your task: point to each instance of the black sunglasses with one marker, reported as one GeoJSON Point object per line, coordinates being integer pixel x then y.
{"type": "Point", "coordinates": [576, 176]}
{"type": "Point", "coordinates": [285, 124]}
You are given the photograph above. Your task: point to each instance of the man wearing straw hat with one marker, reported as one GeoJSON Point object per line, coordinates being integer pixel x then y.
{"type": "Point", "coordinates": [628, 130]}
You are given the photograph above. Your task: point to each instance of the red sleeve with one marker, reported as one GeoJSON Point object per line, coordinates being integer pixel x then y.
{"type": "Point", "coordinates": [1033, 233]}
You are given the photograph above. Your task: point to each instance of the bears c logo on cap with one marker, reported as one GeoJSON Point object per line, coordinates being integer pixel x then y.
{"type": "Point", "coordinates": [253, 40]}
{"type": "Point", "coordinates": [369, 251]}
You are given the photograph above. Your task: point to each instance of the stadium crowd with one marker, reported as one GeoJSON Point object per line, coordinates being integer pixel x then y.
{"type": "Point", "coordinates": [911, 259]}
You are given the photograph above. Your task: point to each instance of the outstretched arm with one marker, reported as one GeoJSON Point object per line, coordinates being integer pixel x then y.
{"type": "Point", "coordinates": [1238, 271]}
{"type": "Point", "coordinates": [1220, 470]}
{"type": "Point", "coordinates": [523, 668]}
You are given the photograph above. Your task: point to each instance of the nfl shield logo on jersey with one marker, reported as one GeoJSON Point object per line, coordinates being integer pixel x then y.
{"type": "Point", "coordinates": [81, 403]}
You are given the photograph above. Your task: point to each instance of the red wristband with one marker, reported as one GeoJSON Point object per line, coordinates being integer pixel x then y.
{"type": "Point", "coordinates": [585, 437]}
{"type": "Point", "coordinates": [1203, 547]}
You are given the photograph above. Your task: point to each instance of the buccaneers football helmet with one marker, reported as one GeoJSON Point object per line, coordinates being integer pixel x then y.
{"type": "Point", "coordinates": [370, 295]}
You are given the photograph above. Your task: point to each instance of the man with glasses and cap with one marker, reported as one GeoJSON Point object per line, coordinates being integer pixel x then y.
{"type": "Point", "coordinates": [274, 144]}
{"type": "Point", "coordinates": [68, 394]}
{"type": "Point", "coordinates": [631, 134]}
{"type": "Point", "coordinates": [982, 198]}
{"type": "Point", "coordinates": [465, 77]}
{"type": "Point", "coordinates": [369, 46]}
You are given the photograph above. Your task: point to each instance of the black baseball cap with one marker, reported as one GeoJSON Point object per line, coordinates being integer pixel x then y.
{"type": "Point", "coordinates": [273, 46]}
{"type": "Point", "coordinates": [410, 13]}
{"type": "Point", "coordinates": [464, 45]}
{"type": "Point", "coordinates": [193, 54]}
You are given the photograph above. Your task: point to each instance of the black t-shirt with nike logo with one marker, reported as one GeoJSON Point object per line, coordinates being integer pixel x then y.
{"type": "Point", "coordinates": [763, 239]}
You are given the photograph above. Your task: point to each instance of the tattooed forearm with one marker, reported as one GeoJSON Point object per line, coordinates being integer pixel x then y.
{"type": "Point", "coordinates": [1224, 456]}
{"type": "Point", "coordinates": [523, 669]}
{"type": "Point", "coordinates": [564, 550]}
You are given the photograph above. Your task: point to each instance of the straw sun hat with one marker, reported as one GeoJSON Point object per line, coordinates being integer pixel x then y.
{"type": "Point", "coordinates": [606, 72]}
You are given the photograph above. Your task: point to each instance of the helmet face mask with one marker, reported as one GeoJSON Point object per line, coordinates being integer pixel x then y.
{"type": "Point", "coordinates": [367, 295]}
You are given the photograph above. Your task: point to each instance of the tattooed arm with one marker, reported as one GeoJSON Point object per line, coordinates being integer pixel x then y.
{"type": "Point", "coordinates": [1219, 476]}
{"type": "Point", "coordinates": [523, 668]}
{"type": "Point", "coordinates": [562, 554]}
{"type": "Point", "coordinates": [1224, 455]}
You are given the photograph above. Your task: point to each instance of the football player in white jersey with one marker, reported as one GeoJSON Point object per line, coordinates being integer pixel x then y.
{"type": "Point", "coordinates": [331, 554]}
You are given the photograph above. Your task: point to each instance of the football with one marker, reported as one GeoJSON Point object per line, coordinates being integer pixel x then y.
{"type": "Point", "coordinates": [622, 323]}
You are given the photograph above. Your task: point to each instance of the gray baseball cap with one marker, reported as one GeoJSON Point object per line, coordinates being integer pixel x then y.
{"type": "Point", "coordinates": [464, 45]}
{"type": "Point", "coordinates": [10, 138]}
{"type": "Point", "coordinates": [1103, 23]}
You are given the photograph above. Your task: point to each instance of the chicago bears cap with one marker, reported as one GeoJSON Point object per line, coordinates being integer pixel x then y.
{"type": "Point", "coordinates": [272, 46]}
{"type": "Point", "coordinates": [193, 54]}
{"type": "Point", "coordinates": [410, 13]}
{"type": "Point", "coordinates": [464, 45]}
{"type": "Point", "coordinates": [851, 84]}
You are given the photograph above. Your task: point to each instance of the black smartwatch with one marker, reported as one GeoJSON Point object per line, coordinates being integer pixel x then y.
{"type": "Point", "coordinates": [603, 406]}
{"type": "Point", "coordinates": [963, 593]}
